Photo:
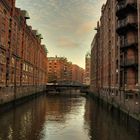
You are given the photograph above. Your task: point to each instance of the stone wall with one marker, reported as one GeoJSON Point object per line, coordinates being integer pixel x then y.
{"type": "Point", "coordinates": [9, 94]}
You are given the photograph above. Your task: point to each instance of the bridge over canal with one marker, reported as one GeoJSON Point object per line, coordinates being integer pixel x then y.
{"type": "Point", "coordinates": [63, 87]}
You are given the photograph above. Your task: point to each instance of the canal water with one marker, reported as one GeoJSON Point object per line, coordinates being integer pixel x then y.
{"type": "Point", "coordinates": [62, 118]}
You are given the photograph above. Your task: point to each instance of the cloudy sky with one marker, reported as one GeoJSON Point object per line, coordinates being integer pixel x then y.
{"type": "Point", "coordinates": [66, 25]}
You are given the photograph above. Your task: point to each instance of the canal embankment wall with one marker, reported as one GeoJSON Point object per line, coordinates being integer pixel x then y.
{"type": "Point", "coordinates": [65, 92]}
{"type": "Point", "coordinates": [119, 110]}
{"type": "Point", "coordinates": [12, 94]}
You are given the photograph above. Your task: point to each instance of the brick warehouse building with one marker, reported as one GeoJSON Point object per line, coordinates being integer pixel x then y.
{"type": "Point", "coordinates": [87, 69]}
{"type": "Point", "coordinates": [23, 59]}
{"type": "Point", "coordinates": [115, 54]}
{"type": "Point", "coordinates": [60, 69]}
{"type": "Point", "coordinates": [77, 74]}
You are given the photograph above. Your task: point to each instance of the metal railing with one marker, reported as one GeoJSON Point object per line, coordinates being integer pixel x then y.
{"type": "Point", "coordinates": [128, 20]}
{"type": "Point", "coordinates": [122, 23]}
{"type": "Point", "coordinates": [125, 42]}
{"type": "Point", "coordinates": [130, 2]}
{"type": "Point", "coordinates": [120, 5]}
{"type": "Point", "coordinates": [123, 4]}
{"type": "Point", "coordinates": [129, 62]}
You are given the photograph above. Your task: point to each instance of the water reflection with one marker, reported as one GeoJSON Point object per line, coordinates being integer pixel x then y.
{"type": "Point", "coordinates": [22, 122]}
{"type": "Point", "coordinates": [102, 126]}
{"type": "Point", "coordinates": [61, 118]}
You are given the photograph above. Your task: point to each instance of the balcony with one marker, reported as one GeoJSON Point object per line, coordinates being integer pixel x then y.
{"type": "Point", "coordinates": [127, 24]}
{"type": "Point", "coordinates": [120, 9]}
{"type": "Point", "coordinates": [131, 6]}
{"type": "Point", "coordinates": [126, 6]}
{"type": "Point", "coordinates": [129, 63]}
{"type": "Point", "coordinates": [120, 0]}
{"type": "Point", "coordinates": [125, 44]}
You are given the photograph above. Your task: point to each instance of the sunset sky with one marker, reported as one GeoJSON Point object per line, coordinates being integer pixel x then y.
{"type": "Point", "coordinates": [67, 26]}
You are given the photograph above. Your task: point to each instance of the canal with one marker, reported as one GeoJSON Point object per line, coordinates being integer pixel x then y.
{"type": "Point", "coordinates": [62, 118]}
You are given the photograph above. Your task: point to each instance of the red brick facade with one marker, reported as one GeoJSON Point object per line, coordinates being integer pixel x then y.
{"type": "Point", "coordinates": [115, 52]}
{"type": "Point", "coordinates": [23, 60]}
{"type": "Point", "coordinates": [77, 74]}
{"type": "Point", "coordinates": [87, 69]}
{"type": "Point", "coordinates": [104, 52]}
{"type": "Point", "coordinates": [59, 69]}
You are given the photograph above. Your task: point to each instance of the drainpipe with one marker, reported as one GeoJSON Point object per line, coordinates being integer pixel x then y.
{"type": "Point", "coordinates": [138, 7]}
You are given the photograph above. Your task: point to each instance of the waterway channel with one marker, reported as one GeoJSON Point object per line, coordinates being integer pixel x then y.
{"type": "Point", "coordinates": [62, 118]}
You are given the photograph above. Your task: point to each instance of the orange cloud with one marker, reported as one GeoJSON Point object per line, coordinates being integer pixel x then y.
{"type": "Point", "coordinates": [86, 27]}
{"type": "Point", "coordinates": [67, 42]}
